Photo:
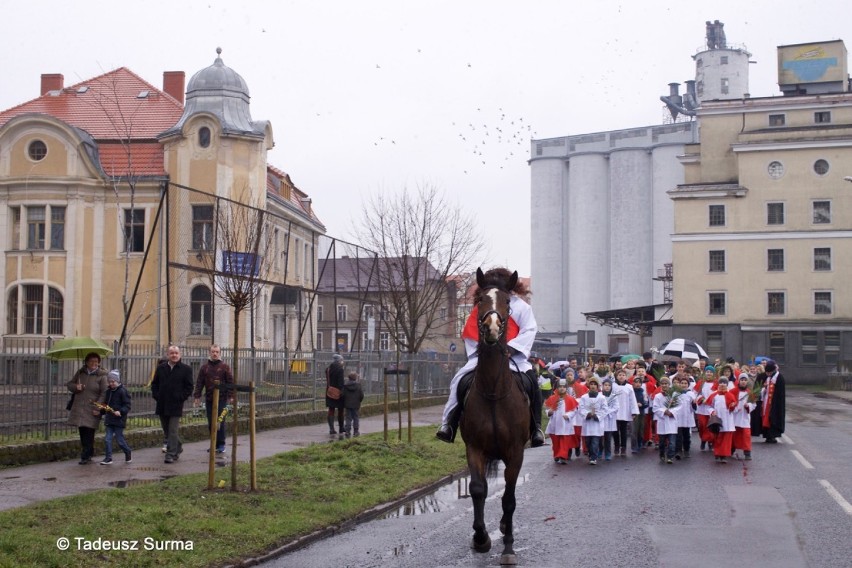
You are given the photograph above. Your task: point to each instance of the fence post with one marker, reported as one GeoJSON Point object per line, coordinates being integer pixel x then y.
{"type": "Point", "coordinates": [48, 399]}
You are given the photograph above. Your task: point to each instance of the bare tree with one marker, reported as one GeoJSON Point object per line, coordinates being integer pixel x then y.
{"type": "Point", "coordinates": [422, 241]}
{"type": "Point", "coordinates": [238, 272]}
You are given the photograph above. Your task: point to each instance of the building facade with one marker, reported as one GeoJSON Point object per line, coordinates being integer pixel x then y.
{"type": "Point", "coordinates": [109, 193]}
{"type": "Point", "coordinates": [763, 221]}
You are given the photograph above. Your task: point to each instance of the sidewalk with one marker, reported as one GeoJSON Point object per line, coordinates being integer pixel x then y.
{"type": "Point", "coordinates": [20, 486]}
{"type": "Point", "coordinates": [839, 395]}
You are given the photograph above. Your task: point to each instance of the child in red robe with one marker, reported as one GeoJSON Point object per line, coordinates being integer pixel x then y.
{"type": "Point", "coordinates": [561, 408]}
{"type": "Point", "coordinates": [722, 404]}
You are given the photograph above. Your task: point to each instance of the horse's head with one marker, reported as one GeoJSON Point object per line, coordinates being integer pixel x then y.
{"type": "Point", "coordinates": [493, 307]}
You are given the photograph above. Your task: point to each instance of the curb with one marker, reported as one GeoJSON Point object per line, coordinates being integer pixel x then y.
{"type": "Point", "coordinates": [832, 396]}
{"type": "Point", "coordinates": [349, 524]}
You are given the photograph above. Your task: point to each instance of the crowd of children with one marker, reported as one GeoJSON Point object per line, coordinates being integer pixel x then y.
{"type": "Point", "coordinates": [596, 410]}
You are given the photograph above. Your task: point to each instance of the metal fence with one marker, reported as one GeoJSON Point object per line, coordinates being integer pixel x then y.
{"type": "Point", "coordinates": [34, 393]}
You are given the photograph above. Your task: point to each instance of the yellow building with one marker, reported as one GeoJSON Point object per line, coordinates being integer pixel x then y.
{"type": "Point", "coordinates": [111, 192]}
{"type": "Point", "coordinates": [763, 222]}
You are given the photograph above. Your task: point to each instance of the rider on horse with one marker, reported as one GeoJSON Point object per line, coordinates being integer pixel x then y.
{"type": "Point", "coordinates": [520, 334]}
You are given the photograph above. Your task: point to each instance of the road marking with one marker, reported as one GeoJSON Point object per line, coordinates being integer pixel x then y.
{"type": "Point", "coordinates": [801, 459]}
{"type": "Point", "coordinates": [835, 494]}
{"type": "Point", "coordinates": [787, 440]}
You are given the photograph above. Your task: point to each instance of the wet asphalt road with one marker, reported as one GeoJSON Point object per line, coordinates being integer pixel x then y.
{"type": "Point", "coordinates": [789, 507]}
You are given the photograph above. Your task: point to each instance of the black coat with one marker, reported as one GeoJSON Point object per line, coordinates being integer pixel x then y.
{"type": "Point", "coordinates": [171, 387]}
{"type": "Point", "coordinates": [777, 410]}
{"type": "Point", "coordinates": [118, 399]}
{"type": "Point", "coordinates": [334, 378]}
{"type": "Point", "coordinates": [353, 394]}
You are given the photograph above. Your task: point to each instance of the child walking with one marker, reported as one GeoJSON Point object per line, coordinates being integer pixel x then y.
{"type": "Point", "coordinates": [723, 403]}
{"type": "Point", "coordinates": [746, 403]}
{"type": "Point", "coordinates": [637, 440]}
{"type": "Point", "coordinates": [609, 420]}
{"type": "Point", "coordinates": [665, 413]}
{"type": "Point", "coordinates": [561, 408]}
{"type": "Point", "coordinates": [353, 394]}
{"type": "Point", "coordinates": [117, 399]}
{"type": "Point", "coordinates": [592, 412]}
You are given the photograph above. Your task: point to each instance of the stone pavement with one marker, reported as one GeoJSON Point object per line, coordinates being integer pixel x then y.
{"type": "Point", "coordinates": [20, 486]}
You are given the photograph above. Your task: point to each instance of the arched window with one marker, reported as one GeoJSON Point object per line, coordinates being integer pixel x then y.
{"type": "Point", "coordinates": [204, 137]}
{"type": "Point", "coordinates": [35, 309]}
{"type": "Point", "coordinates": [201, 311]}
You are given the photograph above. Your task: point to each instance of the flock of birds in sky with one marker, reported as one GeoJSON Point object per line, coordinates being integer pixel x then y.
{"type": "Point", "coordinates": [492, 139]}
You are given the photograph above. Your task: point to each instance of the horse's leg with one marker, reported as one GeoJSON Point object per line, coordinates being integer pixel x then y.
{"type": "Point", "coordinates": [478, 492]}
{"type": "Point", "coordinates": [513, 469]}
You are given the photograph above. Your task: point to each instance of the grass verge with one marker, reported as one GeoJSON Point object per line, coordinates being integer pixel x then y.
{"type": "Point", "coordinates": [299, 492]}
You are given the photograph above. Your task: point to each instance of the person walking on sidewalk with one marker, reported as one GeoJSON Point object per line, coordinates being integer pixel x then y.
{"type": "Point", "coordinates": [115, 417]}
{"type": "Point", "coordinates": [353, 394]}
{"type": "Point", "coordinates": [214, 370]}
{"type": "Point", "coordinates": [88, 385]}
{"type": "Point", "coordinates": [171, 386]}
{"type": "Point", "coordinates": [334, 393]}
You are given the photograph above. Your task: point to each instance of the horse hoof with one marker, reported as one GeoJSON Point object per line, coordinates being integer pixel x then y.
{"type": "Point", "coordinates": [482, 547]}
{"type": "Point", "coordinates": [508, 560]}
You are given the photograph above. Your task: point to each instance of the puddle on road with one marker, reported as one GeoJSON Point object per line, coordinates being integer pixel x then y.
{"type": "Point", "coordinates": [131, 482]}
{"type": "Point", "coordinates": [443, 498]}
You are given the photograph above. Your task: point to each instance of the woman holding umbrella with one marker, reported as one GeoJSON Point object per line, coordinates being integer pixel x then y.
{"type": "Point", "coordinates": [88, 385]}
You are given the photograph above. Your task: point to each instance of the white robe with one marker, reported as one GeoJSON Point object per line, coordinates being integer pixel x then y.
{"type": "Point", "coordinates": [685, 414]}
{"type": "Point", "coordinates": [720, 409]}
{"type": "Point", "coordinates": [587, 405]}
{"type": "Point", "coordinates": [665, 424]}
{"type": "Point", "coordinates": [742, 415]}
{"type": "Point", "coordinates": [561, 423]}
{"type": "Point", "coordinates": [612, 405]}
{"type": "Point", "coordinates": [627, 405]}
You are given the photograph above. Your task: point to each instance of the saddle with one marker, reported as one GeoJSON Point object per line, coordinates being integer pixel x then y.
{"type": "Point", "coordinates": [522, 380]}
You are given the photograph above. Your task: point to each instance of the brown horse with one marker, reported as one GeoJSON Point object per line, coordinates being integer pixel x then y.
{"type": "Point", "coordinates": [495, 425]}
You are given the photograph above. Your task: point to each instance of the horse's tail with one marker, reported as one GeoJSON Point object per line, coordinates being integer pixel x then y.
{"type": "Point", "coordinates": [491, 467]}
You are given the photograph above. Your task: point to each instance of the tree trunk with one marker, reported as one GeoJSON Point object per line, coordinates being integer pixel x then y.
{"type": "Point", "coordinates": [234, 421]}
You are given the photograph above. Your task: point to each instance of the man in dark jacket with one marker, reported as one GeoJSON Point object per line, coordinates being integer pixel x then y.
{"type": "Point", "coordinates": [171, 386]}
{"type": "Point", "coordinates": [214, 370]}
{"type": "Point", "coordinates": [334, 389]}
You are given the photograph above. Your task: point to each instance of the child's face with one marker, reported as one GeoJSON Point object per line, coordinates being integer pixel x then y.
{"type": "Point", "coordinates": [562, 389]}
{"type": "Point", "coordinates": [607, 387]}
{"type": "Point", "coordinates": [722, 387]}
{"type": "Point", "coordinates": [743, 382]}
{"type": "Point", "coordinates": [621, 377]}
{"type": "Point", "coordinates": [640, 372]}
{"type": "Point", "coordinates": [665, 383]}
{"type": "Point", "coordinates": [708, 374]}
{"type": "Point", "coordinates": [593, 387]}
{"type": "Point", "coordinates": [112, 385]}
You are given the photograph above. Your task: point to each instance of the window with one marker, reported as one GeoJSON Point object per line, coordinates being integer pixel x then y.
{"type": "Point", "coordinates": [775, 260]}
{"type": "Point", "coordinates": [713, 342]}
{"type": "Point", "coordinates": [40, 233]}
{"type": "Point", "coordinates": [341, 312]}
{"type": "Point", "coordinates": [778, 346]}
{"type": "Point", "coordinates": [822, 303]}
{"type": "Point", "coordinates": [204, 137]}
{"type": "Point", "coordinates": [37, 150]}
{"type": "Point", "coordinates": [775, 169]}
{"type": "Point", "coordinates": [699, 88]}
{"type": "Point", "coordinates": [12, 311]}
{"type": "Point", "coordinates": [200, 311]}
{"type": "Point", "coordinates": [36, 227]}
{"type": "Point", "coordinates": [32, 316]}
{"type": "Point", "coordinates": [777, 120]}
{"type": "Point", "coordinates": [57, 228]}
{"type": "Point", "coordinates": [365, 341]}
{"type": "Point", "coordinates": [831, 340]}
{"type": "Point", "coordinates": [367, 312]}
{"type": "Point", "coordinates": [717, 261]}
{"type": "Point", "coordinates": [15, 218]}
{"type": "Point", "coordinates": [319, 341]}
{"type": "Point", "coordinates": [822, 212]}
{"type": "Point", "coordinates": [699, 62]}
{"type": "Point", "coordinates": [775, 303]}
{"type": "Point", "coordinates": [442, 313]}
{"type": "Point", "coordinates": [822, 117]}
{"type": "Point", "coordinates": [724, 85]}
{"type": "Point", "coordinates": [774, 213]}
{"type": "Point", "coordinates": [202, 227]}
{"type": "Point", "coordinates": [717, 215]}
{"type": "Point", "coordinates": [319, 313]}
{"type": "Point", "coordinates": [723, 60]}
{"type": "Point", "coordinates": [822, 259]}
{"type": "Point", "coordinates": [134, 230]}
{"type": "Point", "coordinates": [384, 341]}
{"type": "Point", "coordinates": [717, 303]}
{"type": "Point", "coordinates": [810, 356]}
{"type": "Point", "coordinates": [820, 167]}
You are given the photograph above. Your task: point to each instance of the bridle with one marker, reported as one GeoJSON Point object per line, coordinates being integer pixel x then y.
{"type": "Point", "coordinates": [484, 327]}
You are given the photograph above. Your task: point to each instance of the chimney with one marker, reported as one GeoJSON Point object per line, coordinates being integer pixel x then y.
{"type": "Point", "coordinates": [173, 84]}
{"type": "Point", "coordinates": [51, 82]}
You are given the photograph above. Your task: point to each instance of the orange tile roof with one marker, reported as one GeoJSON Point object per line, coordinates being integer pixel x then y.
{"type": "Point", "coordinates": [146, 158]}
{"type": "Point", "coordinates": [109, 109]}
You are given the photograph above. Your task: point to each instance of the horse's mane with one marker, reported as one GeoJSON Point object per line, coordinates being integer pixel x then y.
{"type": "Point", "coordinates": [499, 278]}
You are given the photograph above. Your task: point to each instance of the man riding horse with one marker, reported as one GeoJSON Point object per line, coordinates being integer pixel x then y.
{"type": "Point", "coordinates": [520, 333]}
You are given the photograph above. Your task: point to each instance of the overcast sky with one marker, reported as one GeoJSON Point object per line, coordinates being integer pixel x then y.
{"type": "Point", "coordinates": [369, 95]}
